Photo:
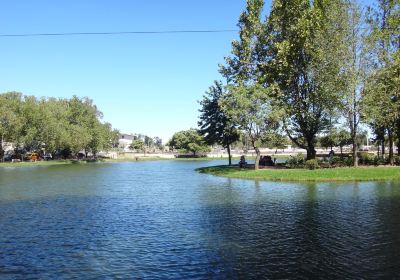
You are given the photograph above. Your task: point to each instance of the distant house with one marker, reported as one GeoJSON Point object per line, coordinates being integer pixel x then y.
{"type": "Point", "coordinates": [125, 140]}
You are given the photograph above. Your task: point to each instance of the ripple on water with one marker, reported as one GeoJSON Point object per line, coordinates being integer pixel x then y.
{"type": "Point", "coordinates": [128, 221]}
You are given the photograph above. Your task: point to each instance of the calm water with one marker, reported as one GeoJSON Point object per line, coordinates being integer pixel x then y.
{"type": "Point", "coordinates": [163, 220]}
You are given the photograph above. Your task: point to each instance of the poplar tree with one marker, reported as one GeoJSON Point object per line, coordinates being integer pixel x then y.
{"type": "Point", "coordinates": [301, 52]}
{"type": "Point", "coordinates": [247, 103]}
{"type": "Point", "coordinates": [381, 100]}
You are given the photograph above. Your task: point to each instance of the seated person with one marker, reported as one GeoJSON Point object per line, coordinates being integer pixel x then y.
{"type": "Point", "coordinates": [268, 161]}
{"type": "Point", "coordinates": [242, 162]}
{"type": "Point", "coordinates": [262, 161]}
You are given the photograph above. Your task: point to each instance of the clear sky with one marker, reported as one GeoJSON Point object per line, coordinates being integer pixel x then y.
{"type": "Point", "coordinates": [142, 83]}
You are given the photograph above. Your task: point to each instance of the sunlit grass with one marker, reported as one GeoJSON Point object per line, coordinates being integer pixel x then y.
{"type": "Point", "coordinates": [328, 174]}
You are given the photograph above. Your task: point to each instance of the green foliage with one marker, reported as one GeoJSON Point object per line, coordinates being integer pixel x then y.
{"type": "Point", "coordinates": [297, 161]}
{"type": "Point", "coordinates": [215, 125]}
{"type": "Point", "coordinates": [250, 108]}
{"type": "Point", "coordinates": [301, 50]}
{"type": "Point", "coordinates": [336, 138]}
{"type": "Point", "coordinates": [239, 69]}
{"type": "Point", "coordinates": [138, 145]}
{"type": "Point", "coordinates": [297, 175]}
{"type": "Point", "coordinates": [312, 164]}
{"type": "Point", "coordinates": [341, 161]}
{"type": "Point", "coordinates": [58, 126]}
{"type": "Point", "coordinates": [189, 141]}
{"type": "Point", "coordinates": [365, 158]}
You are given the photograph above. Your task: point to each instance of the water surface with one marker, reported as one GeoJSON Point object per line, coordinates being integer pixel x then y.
{"type": "Point", "coordinates": [163, 220]}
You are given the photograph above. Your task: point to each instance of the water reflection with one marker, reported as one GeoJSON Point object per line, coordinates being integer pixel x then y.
{"type": "Point", "coordinates": [324, 231]}
{"type": "Point", "coordinates": [161, 219]}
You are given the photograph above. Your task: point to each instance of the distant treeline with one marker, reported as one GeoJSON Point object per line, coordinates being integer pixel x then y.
{"type": "Point", "coordinates": [62, 127]}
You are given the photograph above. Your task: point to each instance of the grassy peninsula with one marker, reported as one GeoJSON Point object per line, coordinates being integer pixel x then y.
{"type": "Point", "coordinates": [299, 175]}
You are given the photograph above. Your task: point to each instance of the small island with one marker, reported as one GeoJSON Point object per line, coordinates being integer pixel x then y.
{"type": "Point", "coordinates": [341, 174]}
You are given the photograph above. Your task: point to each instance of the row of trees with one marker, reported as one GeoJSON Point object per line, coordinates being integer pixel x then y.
{"type": "Point", "coordinates": [146, 143]}
{"type": "Point", "coordinates": [61, 127]}
{"type": "Point", "coordinates": [308, 68]}
{"type": "Point", "coordinates": [189, 141]}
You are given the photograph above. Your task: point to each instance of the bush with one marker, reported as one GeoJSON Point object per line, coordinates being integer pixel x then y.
{"type": "Point", "coordinates": [341, 161]}
{"type": "Point", "coordinates": [312, 164]}
{"type": "Point", "coordinates": [296, 161]}
{"type": "Point", "coordinates": [365, 158]}
{"type": "Point", "coordinates": [397, 160]}
{"type": "Point", "coordinates": [371, 159]}
{"type": "Point", "coordinates": [336, 162]}
{"type": "Point", "coordinates": [348, 161]}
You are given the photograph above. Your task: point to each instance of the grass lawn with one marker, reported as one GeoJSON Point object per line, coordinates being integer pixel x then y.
{"type": "Point", "coordinates": [297, 175]}
{"type": "Point", "coordinates": [37, 163]}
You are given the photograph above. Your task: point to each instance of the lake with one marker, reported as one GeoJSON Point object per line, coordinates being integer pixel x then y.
{"type": "Point", "coordinates": [161, 219]}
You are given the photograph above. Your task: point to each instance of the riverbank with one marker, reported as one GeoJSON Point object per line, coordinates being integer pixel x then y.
{"type": "Point", "coordinates": [382, 173]}
{"type": "Point", "coordinates": [68, 162]}
{"type": "Point", "coordinates": [39, 163]}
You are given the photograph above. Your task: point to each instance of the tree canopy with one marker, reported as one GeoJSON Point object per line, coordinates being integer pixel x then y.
{"type": "Point", "coordinates": [190, 141]}
{"type": "Point", "coordinates": [62, 127]}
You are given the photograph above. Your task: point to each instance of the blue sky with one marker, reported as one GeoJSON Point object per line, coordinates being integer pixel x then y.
{"type": "Point", "coordinates": [142, 83]}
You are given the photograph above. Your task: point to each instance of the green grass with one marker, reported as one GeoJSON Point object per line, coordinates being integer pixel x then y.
{"type": "Point", "coordinates": [301, 175]}
{"type": "Point", "coordinates": [38, 163]}
{"type": "Point", "coordinates": [66, 162]}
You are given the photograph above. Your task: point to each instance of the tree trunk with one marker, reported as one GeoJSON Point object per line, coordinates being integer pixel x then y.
{"type": "Point", "coordinates": [398, 147]}
{"type": "Point", "coordinates": [311, 152]}
{"type": "Point", "coordinates": [257, 163]}
{"type": "Point", "coordinates": [391, 158]}
{"type": "Point", "coordinates": [379, 150]}
{"type": "Point", "coordinates": [229, 154]}
{"type": "Point", "coordinates": [2, 152]}
{"type": "Point", "coordinates": [355, 158]}
{"type": "Point", "coordinates": [398, 136]}
{"type": "Point", "coordinates": [383, 149]}
{"type": "Point", "coordinates": [341, 150]}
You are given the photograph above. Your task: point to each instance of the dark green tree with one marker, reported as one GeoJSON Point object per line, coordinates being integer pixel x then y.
{"type": "Point", "coordinates": [215, 125]}
{"type": "Point", "coordinates": [189, 141]}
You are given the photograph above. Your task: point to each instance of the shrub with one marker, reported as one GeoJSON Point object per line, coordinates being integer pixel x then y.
{"type": "Point", "coordinates": [296, 161]}
{"type": "Point", "coordinates": [341, 161]}
{"type": "Point", "coordinates": [366, 158]}
{"type": "Point", "coordinates": [397, 160]}
{"type": "Point", "coordinates": [336, 162]}
{"type": "Point", "coordinates": [312, 164]}
{"type": "Point", "coordinates": [380, 161]}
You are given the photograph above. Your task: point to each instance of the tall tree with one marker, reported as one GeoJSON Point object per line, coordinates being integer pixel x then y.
{"type": "Point", "coordinates": [240, 67]}
{"type": "Point", "coordinates": [240, 73]}
{"type": "Point", "coordinates": [10, 120]}
{"type": "Point", "coordinates": [215, 125]}
{"type": "Point", "coordinates": [189, 141]}
{"type": "Point", "coordinates": [355, 71]}
{"type": "Point", "coordinates": [251, 109]}
{"type": "Point", "coordinates": [301, 51]}
{"type": "Point", "coordinates": [381, 99]}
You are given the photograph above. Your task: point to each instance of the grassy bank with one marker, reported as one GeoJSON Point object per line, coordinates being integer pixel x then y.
{"type": "Point", "coordinates": [38, 163]}
{"type": "Point", "coordinates": [297, 175]}
{"type": "Point", "coordinates": [67, 162]}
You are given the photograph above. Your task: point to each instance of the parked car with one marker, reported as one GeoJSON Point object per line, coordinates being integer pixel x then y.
{"type": "Point", "coordinates": [8, 156]}
{"type": "Point", "coordinates": [31, 156]}
{"type": "Point", "coordinates": [47, 156]}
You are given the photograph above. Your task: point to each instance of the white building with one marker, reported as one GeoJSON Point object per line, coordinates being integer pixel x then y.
{"type": "Point", "coordinates": [125, 140]}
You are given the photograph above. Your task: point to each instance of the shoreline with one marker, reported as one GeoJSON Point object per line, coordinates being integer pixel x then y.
{"type": "Point", "coordinates": [340, 174]}
{"type": "Point", "coordinates": [72, 161]}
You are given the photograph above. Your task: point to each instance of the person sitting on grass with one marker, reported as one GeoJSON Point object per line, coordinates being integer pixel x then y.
{"type": "Point", "coordinates": [262, 161]}
{"type": "Point", "coordinates": [242, 162]}
{"type": "Point", "coordinates": [268, 161]}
